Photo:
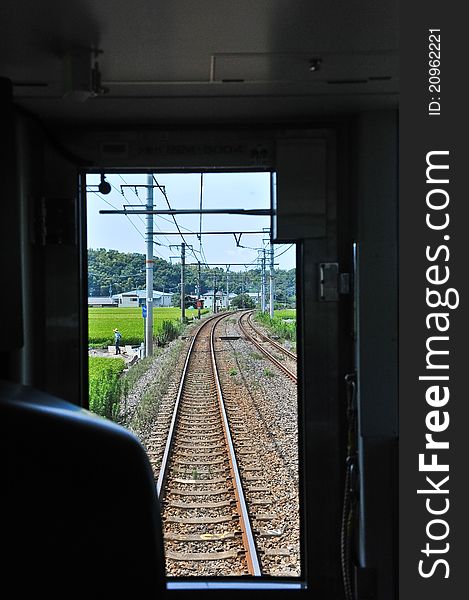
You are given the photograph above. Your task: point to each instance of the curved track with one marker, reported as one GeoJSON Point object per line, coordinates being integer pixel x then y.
{"type": "Point", "coordinates": [277, 354]}
{"type": "Point", "coordinates": [204, 510]}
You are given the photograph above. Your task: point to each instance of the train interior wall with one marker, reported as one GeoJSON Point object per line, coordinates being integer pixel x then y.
{"type": "Point", "coordinates": [42, 341]}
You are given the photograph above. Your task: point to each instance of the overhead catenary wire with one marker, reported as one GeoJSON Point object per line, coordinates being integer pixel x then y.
{"type": "Point", "coordinates": [134, 190]}
{"type": "Point", "coordinates": [286, 250]}
{"type": "Point", "coordinates": [191, 250]}
{"type": "Point", "coordinates": [140, 217]}
{"type": "Point", "coordinates": [163, 191]}
{"type": "Point", "coordinates": [198, 254]}
{"type": "Point", "coordinates": [130, 221]}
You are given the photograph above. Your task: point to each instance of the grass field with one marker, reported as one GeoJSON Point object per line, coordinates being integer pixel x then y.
{"type": "Point", "coordinates": [288, 313]}
{"type": "Point", "coordinates": [105, 385]}
{"type": "Point", "coordinates": [129, 321]}
{"type": "Point", "coordinates": [283, 324]}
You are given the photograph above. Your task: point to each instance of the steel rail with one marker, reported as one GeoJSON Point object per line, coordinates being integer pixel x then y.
{"type": "Point", "coordinates": [169, 440]}
{"type": "Point", "coordinates": [291, 355]}
{"type": "Point", "coordinates": [272, 358]}
{"type": "Point", "coordinates": [245, 524]}
{"type": "Point", "coordinates": [246, 529]}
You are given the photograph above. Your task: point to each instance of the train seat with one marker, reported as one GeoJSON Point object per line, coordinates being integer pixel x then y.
{"type": "Point", "coordinates": [81, 515]}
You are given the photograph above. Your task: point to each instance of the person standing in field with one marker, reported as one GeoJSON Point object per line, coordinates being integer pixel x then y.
{"type": "Point", "coordinates": [117, 340]}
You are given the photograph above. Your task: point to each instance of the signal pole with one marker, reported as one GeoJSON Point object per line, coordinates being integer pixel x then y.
{"type": "Point", "coordinates": [198, 290]}
{"type": "Point", "coordinates": [263, 286]}
{"type": "Point", "coordinates": [271, 282]}
{"type": "Point", "coordinates": [183, 287]}
{"type": "Point", "coordinates": [149, 269]}
{"type": "Point", "coordinates": [227, 287]}
{"type": "Point", "coordinates": [244, 287]}
{"type": "Point", "coordinates": [214, 293]}
{"type": "Point", "coordinates": [183, 247]}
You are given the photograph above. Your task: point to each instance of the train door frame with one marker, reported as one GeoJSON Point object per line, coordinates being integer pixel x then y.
{"type": "Point", "coordinates": [324, 346]}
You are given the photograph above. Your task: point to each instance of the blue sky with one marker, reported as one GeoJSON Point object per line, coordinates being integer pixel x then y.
{"type": "Point", "coordinates": [220, 190]}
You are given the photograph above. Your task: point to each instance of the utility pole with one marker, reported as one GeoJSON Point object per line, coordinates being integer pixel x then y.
{"type": "Point", "coordinates": [244, 288]}
{"type": "Point", "coordinates": [198, 290]}
{"type": "Point", "coordinates": [149, 269]}
{"type": "Point", "coordinates": [227, 287]}
{"type": "Point", "coordinates": [271, 282]}
{"type": "Point", "coordinates": [183, 286]}
{"type": "Point", "coordinates": [183, 247]}
{"type": "Point", "coordinates": [263, 286]}
{"type": "Point", "coordinates": [214, 293]}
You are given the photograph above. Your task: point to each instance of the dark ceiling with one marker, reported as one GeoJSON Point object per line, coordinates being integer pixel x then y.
{"type": "Point", "coordinates": [205, 61]}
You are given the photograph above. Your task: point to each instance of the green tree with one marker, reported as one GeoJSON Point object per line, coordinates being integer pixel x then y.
{"type": "Point", "coordinates": [113, 272]}
{"type": "Point", "coordinates": [176, 300]}
{"type": "Point", "coordinates": [243, 301]}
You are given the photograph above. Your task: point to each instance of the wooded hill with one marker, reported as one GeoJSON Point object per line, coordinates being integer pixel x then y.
{"type": "Point", "coordinates": [112, 272]}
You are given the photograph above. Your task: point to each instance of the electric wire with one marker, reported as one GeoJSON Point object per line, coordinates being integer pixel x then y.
{"type": "Point", "coordinates": [134, 190]}
{"type": "Point", "coordinates": [202, 256]}
{"type": "Point", "coordinates": [163, 191]}
{"type": "Point", "coordinates": [130, 221]}
{"type": "Point", "coordinates": [140, 217]}
{"type": "Point", "coordinates": [190, 249]}
{"type": "Point", "coordinates": [122, 193]}
{"type": "Point", "coordinates": [179, 227]}
{"type": "Point", "coordinates": [286, 250]}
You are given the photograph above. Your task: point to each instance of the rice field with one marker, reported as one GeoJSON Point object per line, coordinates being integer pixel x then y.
{"type": "Point", "coordinates": [129, 321]}
{"type": "Point", "coordinates": [105, 385]}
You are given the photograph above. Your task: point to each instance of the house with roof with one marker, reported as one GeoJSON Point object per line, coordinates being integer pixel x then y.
{"type": "Point", "coordinates": [137, 298]}
{"type": "Point", "coordinates": [220, 299]}
{"type": "Point", "coordinates": [101, 302]}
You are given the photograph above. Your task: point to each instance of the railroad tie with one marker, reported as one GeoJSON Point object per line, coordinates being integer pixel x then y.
{"type": "Point", "coordinates": [199, 537]}
{"type": "Point", "coordinates": [216, 492]}
{"type": "Point", "coordinates": [194, 461]}
{"type": "Point", "coordinates": [276, 552]}
{"type": "Point", "coordinates": [204, 481]}
{"type": "Point", "coordinates": [192, 505]}
{"type": "Point", "coordinates": [199, 520]}
{"type": "Point", "coordinates": [198, 556]}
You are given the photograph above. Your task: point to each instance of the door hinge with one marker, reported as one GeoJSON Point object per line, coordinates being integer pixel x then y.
{"type": "Point", "coordinates": [332, 283]}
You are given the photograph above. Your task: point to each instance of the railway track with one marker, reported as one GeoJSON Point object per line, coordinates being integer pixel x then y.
{"type": "Point", "coordinates": [207, 528]}
{"type": "Point", "coordinates": [277, 354]}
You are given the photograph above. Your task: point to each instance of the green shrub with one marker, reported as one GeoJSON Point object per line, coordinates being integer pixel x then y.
{"type": "Point", "coordinates": [105, 385]}
{"type": "Point", "coordinates": [169, 331]}
{"type": "Point", "coordinates": [141, 419]}
{"type": "Point", "coordinates": [284, 329]}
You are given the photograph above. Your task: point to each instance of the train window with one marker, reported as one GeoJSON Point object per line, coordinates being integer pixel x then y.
{"type": "Point", "coordinates": [192, 346]}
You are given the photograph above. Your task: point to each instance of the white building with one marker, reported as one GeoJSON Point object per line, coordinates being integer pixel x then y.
{"type": "Point", "coordinates": [136, 298]}
{"type": "Point", "coordinates": [127, 300]}
{"type": "Point", "coordinates": [220, 300]}
{"type": "Point", "coordinates": [256, 296]}
{"type": "Point", "coordinates": [101, 301]}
